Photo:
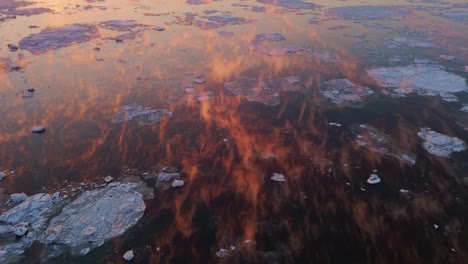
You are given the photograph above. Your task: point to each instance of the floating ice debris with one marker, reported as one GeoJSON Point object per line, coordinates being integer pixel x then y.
{"type": "Point", "coordinates": [325, 56]}
{"type": "Point", "coordinates": [12, 47]}
{"type": "Point", "coordinates": [464, 109]}
{"type": "Point", "coordinates": [439, 144]}
{"type": "Point", "coordinates": [2, 175]}
{"type": "Point", "coordinates": [447, 57]}
{"type": "Point", "coordinates": [165, 179]}
{"type": "Point", "coordinates": [421, 79]}
{"type": "Point", "coordinates": [335, 124]}
{"type": "Point", "coordinates": [368, 13]}
{"type": "Point", "coordinates": [204, 96]}
{"type": "Point", "coordinates": [199, 81]}
{"type": "Point", "coordinates": [18, 197]}
{"type": "Point", "coordinates": [280, 51]}
{"type": "Point", "coordinates": [82, 223]}
{"type": "Point", "coordinates": [278, 177]}
{"type": "Point", "coordinates": [127, 36]}
{"type": "Point", "coordinates": [128, 255]}
{"type": "Point", "coordinates": [373, 179]}
{"type": "Point", "coordinates": [159, 28]}
{"type": "Point", "coordinates": [413, 43]}
{"type": "Point", "coordinates": [344, 91]}
{"type": "Point", "coordinates": [225, 33]}
{"type": "Point", "coordinates": [222, 253]}
{"type": "Point", "coordinates": [35, 210]}
{"type": "Point", "coordinates": [38, 129]}
{"type": "Point", "coordinates": [55, 38]}
{"type": "Point", "coordinates": [268, 37]}
{"type": "Point", "coordinates": [210, 11]}
{"type": "Point", "coordinates": [404, 191]}
{"type": "Point", "coordinates": [121, 25]}
{"type": "Point", "coordinates": [265, 92]}
{"type": "Point", "coordinates": [108, 178]}
{"type": "Point", "coordinates": [199, 2]}
{"type": "Point", "coordinates": [146, 115]}
{"type": "Point", "coordinates": [369, 137]}
{"type": "Point", "coordinates": [258, 9]}
{"type": "Point", "coordinates": [228, 20]}
{"type": "Point", "coordinates": [290, 4]}
{"type": "Point", "coordinates": [177, 183]}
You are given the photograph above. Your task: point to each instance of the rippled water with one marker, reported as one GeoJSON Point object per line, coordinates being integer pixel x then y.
{"type": "Point", "coordinates": [274, 112]}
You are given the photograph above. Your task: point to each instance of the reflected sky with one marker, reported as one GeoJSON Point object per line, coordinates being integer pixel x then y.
{"type": "Point", "coordinates": [227, 148]}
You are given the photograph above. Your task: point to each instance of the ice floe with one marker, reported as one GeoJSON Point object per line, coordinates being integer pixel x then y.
{"type": "Point", "coordinates": [420, 79]}
{"type": "Point", "coordinates": [54, 38]}
{"type": "Point", "coordinates": [439, 144]}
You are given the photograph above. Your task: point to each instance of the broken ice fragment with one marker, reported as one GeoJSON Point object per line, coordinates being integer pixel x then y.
{"type": "Point", "coordinates": [128, 255]}
{"type": "Point", "coordinates": [55, 38]}
{"type": "Point", "coordinates": [290, 4]}
{"type": "Point", "coordinates": [177, 183]}
{"type": "Point", "coordinates": [146, 115]}
{"type": "Point", "coordinates": [222, 253]}
{"type": "Point", "coordinates": [439, 144]}
{"type": "Point", "coordinates": [268, 37]}
{"type": "Point", "coordinates": [278, 177]}
{"type": "Point", "coordinates": [373, 179]}
{"type": "Point", "coordinates": [370, 138]}
{"type": "Point", "coordinates": [199, 81]}
{"type": "Point", "coordinates": [38, 129]}
{"type": "Point", "coordinates": [344, 91]}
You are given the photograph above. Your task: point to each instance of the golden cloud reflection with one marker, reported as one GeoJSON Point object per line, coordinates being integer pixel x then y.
{"type": "Point", "coordinates": [227, 148]}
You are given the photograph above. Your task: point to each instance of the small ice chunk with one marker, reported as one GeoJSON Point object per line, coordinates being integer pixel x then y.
{"type": "Point", "coordinates": [38, 129]}
{"type": "Point", "coordinates": [335, 124]}
{"type": "Point", "coordinates": [199, 81]}
{"type": "Point", "coordinates": [278, 177]}
{"type": "Point", "coordinates": [373, 179]}
{"type": "Point", "coordinates": [222, 253]}
{"type": "Point", "coordinates": [159, 28]}
{"type": "Point", "coordinates": [464, 109]}
{"type": "Point", "coordinates": [108, 178]}
{"type": "Point", "coordinates": [128, 255]}
{"type": "Point", "coordinates": [177, 183]}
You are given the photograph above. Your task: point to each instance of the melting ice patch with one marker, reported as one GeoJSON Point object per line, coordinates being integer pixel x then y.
{"type": "Point", "coordinates": [342, 91]}
{"type": "Point", "coordinates": [264, 92]}
{"type": "Point", "coordinates": [420, 79]}
{"type": "Point", "coordinates": [55, 38]}
{"type": "Point", "coordinates": [370, 138]}
{"type": "Point", "coordinates": [146, 115]}
{"type": "Point", "coordinates": [439, 144]}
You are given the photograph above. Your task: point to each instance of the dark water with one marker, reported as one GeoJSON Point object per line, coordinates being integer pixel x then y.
{"type": "Point", "coordinates": [227, 148]}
